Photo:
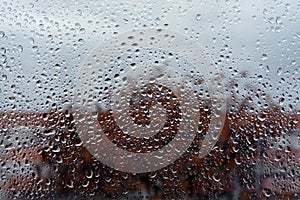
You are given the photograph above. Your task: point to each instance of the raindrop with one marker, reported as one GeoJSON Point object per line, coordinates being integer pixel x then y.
{"type": "Point", "coordinates": [198, 17]}
{"type": "Point", "coordinates": [278, 20]}
{"type": "Point", "coordinates": [3, 77]}
{"type": "Point", "coordinates": [297, 35]}
{"type": "Point", "coordinates": [264, 56]}
{"type": "Point", "coordinates": [20, 48]}
{"type": "Point", "coordinates": [157, 20]}
{"type": "Point", "coordinates": [265, 11]}
{"type": "Point", "coordinates": [2, 34]}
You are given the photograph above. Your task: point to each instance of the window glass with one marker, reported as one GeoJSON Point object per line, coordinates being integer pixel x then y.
{"type": "Point", "coordinates": [149, 99]}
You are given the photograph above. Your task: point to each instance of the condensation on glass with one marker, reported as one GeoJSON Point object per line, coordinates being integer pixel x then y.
{"type": "Point", "coordinates": [150, 99]}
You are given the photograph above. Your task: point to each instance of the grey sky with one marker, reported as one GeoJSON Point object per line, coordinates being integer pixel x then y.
{"type": "Point", "coordinates": [46, 41]}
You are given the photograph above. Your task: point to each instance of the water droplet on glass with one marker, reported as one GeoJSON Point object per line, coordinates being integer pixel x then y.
{"type": "Point", "coordinates": [3, 77]}
{"type": "Point", "coordinates": [2, 34]}
{"type": "Point", "coordinates": [157, 20]}
{"type": "Point", "coordinates": [264, 56]}
{"type": "Point", "coordinates": [198, 17]}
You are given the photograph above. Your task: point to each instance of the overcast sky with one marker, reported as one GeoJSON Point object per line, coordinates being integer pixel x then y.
{"type": "Point", "coordinates": [45, 42]}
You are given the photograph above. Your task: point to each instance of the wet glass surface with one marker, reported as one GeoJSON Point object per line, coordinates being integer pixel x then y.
{"type": "Point", "coordinates": [149, 99]}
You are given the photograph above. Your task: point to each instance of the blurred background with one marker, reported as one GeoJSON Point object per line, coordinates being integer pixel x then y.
{"type": "Point", "coordinates": [255, 45]}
